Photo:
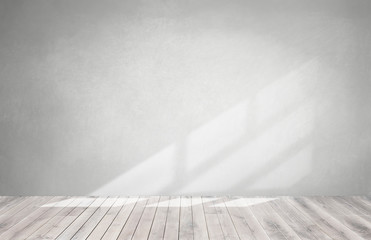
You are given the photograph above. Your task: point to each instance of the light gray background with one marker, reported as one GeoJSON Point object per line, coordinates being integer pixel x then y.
{"type": "Point", "coordinates": [185, 97]}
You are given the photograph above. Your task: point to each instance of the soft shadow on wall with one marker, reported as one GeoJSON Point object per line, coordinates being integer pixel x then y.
{"type": "Point", "coordinates": [185, 97]}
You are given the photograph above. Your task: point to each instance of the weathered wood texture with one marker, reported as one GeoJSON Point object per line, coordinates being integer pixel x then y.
{"type": "Point", "coordinates": [185, 217]}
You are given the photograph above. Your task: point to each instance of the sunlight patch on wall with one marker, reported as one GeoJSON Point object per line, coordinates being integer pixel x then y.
{"type": "Point", "coordinates": [263, 142]}
{"type": "Point", "coordinates": [287, 173]}
{"type": "Point", "coordinates": [149, 176]}
{"type": "Point", "coordinates": [216, 135]}
{"type": "Point", "coordinates": [254, 116]}
{"type": "Point", "coordinates": [255, 158]}
{"type": "Point", "coordinates": [280, 130]}
{"type": "Point", "coordinates": [295, 87]}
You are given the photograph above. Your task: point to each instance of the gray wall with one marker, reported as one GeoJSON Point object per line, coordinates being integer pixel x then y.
{"type": "Point", "coordinates": [185, 97]}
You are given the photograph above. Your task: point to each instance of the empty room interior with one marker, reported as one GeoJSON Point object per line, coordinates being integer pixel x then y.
{"type": "Point", "coordinates": [185, 119]}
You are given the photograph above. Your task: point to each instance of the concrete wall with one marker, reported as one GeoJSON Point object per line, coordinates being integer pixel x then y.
{"type": "Point", "coordinates": [185, 97]}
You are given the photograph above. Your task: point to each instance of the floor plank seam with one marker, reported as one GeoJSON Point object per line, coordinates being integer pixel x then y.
{"type": "Point", "coordinates": [123, 205]}
{"type": "Point", "coordinates": [185, 217]}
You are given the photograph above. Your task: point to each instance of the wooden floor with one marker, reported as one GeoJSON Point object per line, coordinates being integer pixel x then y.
{"type": "Point", "coordinates": [185, 218]}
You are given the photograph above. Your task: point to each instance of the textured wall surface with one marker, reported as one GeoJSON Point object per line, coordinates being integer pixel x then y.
{"type": "Point", "coordinates": [185, 97]}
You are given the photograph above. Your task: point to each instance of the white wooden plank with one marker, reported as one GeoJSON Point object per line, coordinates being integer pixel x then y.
{"type": "Point", "coordinates": [71, 230]}
{"type": "Point", "coordinates": [129, 229]}
{"type": "Point", "coordinates": [159, 222]}
{"type": "Point", "coordinates": [212, 221]}
{"type": "Point", "coordinates": [355, 205]}
{"type": "Point", "coordinates": [273, 224]}
{"type": "Point", "coordinates": [103, 225]}
{"type": "Point", "coordinates": [346, 217]}
{"type": "Point", "coordinates": [237, 216]}
{"type": "Point", "coordinates": [366, 199]}
{"type": "Point", "coordinates": [324, 220]}
{"type": "Point", "coordinates": [199, 221]}
{"type": "Point", "coordinates": [22, 210]}
{"type": "Point", "coordinates": [39, 233]}
{"type": "Point", "coordinates": [256, 228]}
{"type": "Point", "coordinates": [66, 221]}
{"type": "Point", "coordinates": [92, 222]}
{"type": "Point", "coordinates": [11, 204]}
{"type": "Point", "coordinates": [121, 219]}
{"type": "Point", "coordinates": [172, 221]}
{"type": "Point", "coordinates": [305, 227]}
{"type": "Point", "coordinates": [7, 201]}
{"type": "Point", "coordinates": [185, 219]}
{"type": "Point", "coordinates": [145, 223]}
{"type": "Point", "coordinates": [225, 220]}
{"type": "Point", "coordinates": [33, 221]}
{"type": "Point", "coordinates": [364, 202]}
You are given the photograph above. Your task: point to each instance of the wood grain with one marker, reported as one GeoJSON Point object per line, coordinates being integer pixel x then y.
{"type": "Point", "coordinates": [185, 217]}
